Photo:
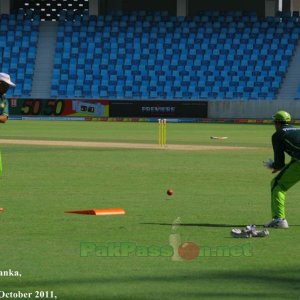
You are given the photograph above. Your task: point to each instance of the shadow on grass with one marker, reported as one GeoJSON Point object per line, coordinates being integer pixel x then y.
{"type": "Point", "coordinates": [204, 224]}
{"type": "Point", "coordinates": [234, 284]}
{"type": "Point", "coordinates": [197, 224]}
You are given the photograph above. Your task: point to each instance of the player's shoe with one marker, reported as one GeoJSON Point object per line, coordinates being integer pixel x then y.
{"type": "Point", "coordinates": [248, 232]}
{"type": "Point", "coordinates": [240, 233]}
{"type": "Point", "coordinates": [261, 233]}
{"type": "Point", "coordinates": [278, 223]}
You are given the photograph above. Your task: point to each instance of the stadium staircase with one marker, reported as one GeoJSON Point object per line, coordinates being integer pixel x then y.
{"type": "Point", "coordinates": [291, 80]}
{"type": "Point", "coordinates": [41, 85]}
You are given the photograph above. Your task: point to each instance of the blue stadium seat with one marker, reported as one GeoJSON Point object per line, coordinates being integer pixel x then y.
{"type": "Point", "coordinates": [236, 62]}
{"type": "Point", "coordinates": [19, 43]}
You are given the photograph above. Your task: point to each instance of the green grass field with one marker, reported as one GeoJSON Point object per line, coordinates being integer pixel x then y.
{"type": "Point", "coordinates": [214, 191]}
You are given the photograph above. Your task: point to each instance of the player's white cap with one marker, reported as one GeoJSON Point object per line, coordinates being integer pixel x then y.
{"type": "Point", "coordinates": [6, 78]}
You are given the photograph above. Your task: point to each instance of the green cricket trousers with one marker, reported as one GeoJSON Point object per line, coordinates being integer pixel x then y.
{"type": "Point", "coordinates": [287, 177]}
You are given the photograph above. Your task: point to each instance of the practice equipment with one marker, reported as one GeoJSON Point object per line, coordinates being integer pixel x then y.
{"type": "Point", "coordinates": [162, 132]}
{"type": "Point", "coordinates": [98, 212]}
{"type": "Point", "coordinates": [248, 232]}
{"type": "Point", "coordinates": [170, 192]}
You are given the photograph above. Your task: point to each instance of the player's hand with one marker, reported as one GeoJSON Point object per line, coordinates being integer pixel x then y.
{"type": "Point", "coordinates": [268, 163]}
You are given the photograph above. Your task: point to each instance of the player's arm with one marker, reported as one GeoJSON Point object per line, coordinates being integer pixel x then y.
{"type": "Point", "coordinates": [278, 148]}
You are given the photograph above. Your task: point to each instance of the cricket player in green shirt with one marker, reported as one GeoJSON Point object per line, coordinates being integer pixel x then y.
{"type": "Point", "coordinates": [5, 84]}
{"type": "Point", "coordinates": [286, 139]}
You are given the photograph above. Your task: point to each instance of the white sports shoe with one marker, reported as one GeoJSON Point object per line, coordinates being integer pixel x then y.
{"type": "Point", "coordinates": [240, 233]}
{"type": "Point", "coordinates": [278, 223]}
{"type": "Point", "coordinates": [248, 232]}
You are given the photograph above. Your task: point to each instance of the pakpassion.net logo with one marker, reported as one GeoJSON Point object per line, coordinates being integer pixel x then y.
{"type": "Point", "coordinates": [183, 251]}
{"type": "Point", "coordinates": [176, 250]}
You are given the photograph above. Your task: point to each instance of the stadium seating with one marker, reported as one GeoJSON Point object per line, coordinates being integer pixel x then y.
{"type": "Point", "coordinates": [18, 44]}
{"type": "Point", "coordinates": [142, 55]}
{"type": "Point", "coordinates": [145, 55]}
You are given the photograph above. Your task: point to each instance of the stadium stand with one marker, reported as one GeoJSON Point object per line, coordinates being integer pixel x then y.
{"type": "Point", "coordinates": [144, 55]}
{"type": "Point", "coordinates": [298, 94]}
{"type": "Point", "coordinates": [18, 44]}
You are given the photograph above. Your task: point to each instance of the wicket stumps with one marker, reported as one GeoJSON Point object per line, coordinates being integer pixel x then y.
{"type": "Point", "coordinates": [162, 132]}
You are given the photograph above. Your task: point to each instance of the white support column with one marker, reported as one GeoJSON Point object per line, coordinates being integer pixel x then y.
{"type": "Point", "coordinates": [94, 7]}
{"type": "Point", "coordinates": [271, 7]}
{"type": "Point", "coordinates": [181, 8]}
{"type": "Point", "coordinates": [4, 7]}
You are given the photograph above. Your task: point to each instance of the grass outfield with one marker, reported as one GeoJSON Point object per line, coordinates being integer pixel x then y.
{"type": "Point", "coordinates": [213, 192]}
